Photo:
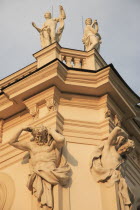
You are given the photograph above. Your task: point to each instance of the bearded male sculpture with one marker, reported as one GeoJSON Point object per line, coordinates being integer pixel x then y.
{"type": "Point", "coordinates": [106, 161]}
{"type": "Point", "coordinates": [48, 165]}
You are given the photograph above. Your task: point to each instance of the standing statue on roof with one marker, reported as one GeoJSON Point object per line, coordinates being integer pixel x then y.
{"type": "Point", "coordinates": [48, 33]}
{"type": "Point", "coordinates": [91, 38]}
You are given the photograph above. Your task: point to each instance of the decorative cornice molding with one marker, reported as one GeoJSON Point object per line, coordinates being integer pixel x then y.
{"type": "Point", "coordinates": [18, 75]}
{"type": "Point", "coordinates": [5, 102]}
{"type": "Point", "coordinates": [1, 129]}
{"type": "Point", "coordinates": [40, 77]}
{"type": "Point", "coordinates": [81, 101]}
{"type": "Point", "coordinates": [83, 129]}
{"type": "Point", "coordinates": [50, 97]}
{"type": "Point", "coordinates": [127, 97]}
{"type": "Point", "coordinates": [69, 80]}
{"type": "Point", "coordinates": [34, 111]}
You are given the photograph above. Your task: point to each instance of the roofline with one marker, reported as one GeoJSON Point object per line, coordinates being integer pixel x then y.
{"type": "Point", "coordinates": [18, 70]}
{"type": "Point", "coordinates": [113, 68]}
{"type": "Point", "coordinates": [75, 69]}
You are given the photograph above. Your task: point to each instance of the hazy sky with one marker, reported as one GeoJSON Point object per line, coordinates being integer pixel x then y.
{"type": "Point", "coordinates": [118, 25]}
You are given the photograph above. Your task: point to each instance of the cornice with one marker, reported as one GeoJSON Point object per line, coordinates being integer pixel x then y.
{"type": "Point", "coordinates": [38, 98]}
{"type": "Point", "coordinates": [85, 130]}
{"type": "Point", "coordinates": [83, 101]}
{"type": "Point", "coordinates": [86, 78]}
{"type": "Point", "coordinates": [123, 88]}
{"type": "Point", "coordinates": [5, 102]}
{"type": "Point", "coordinates": [17, 120]}
{"type": "Point", "coordinates": [68, 80]}
{"type": "Point", "coordinates": [30, 82]}
{"type": "Point", "coordinates": [132, 128]}
{"type": "Point", "coordinates": [18, 75]}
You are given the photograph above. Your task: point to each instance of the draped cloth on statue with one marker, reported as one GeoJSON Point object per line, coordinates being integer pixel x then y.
{"type": "Point", "coordinates": [42, 180]}
{"type": "Point", "coordinates": [109, 176]}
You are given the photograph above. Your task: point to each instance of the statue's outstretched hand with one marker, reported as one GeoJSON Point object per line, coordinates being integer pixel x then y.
{"type": "Point", "coordinates": [33, 24]}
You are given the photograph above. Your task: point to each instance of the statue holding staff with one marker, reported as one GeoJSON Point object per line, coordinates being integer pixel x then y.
{"type": "Point", "coordinates": [48, 33]}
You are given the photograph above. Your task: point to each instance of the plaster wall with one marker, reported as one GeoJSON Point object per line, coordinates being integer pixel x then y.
{"type": "Point", "coordinates": [81, 114]}
{"type": "Point", "coordinates": [19, 174]}
{"type": "Point", "coordinates": [15, 124]}
{"type": "Point", "coordinates": [84, 191]}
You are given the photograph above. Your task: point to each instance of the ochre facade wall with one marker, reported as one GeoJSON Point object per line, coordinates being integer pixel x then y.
{"type": "Point", "coordinates": [82, 104]}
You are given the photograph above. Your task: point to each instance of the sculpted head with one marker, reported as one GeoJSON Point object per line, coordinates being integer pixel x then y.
{"type": "Point", "coordinates": [126, 148]}
{"type": "Point", "coordinates": [88, 21]}
{"type": "Point", "coordinates": [48, 15]}
{"type": "Point", "coordinates": [40, 134]}
{"type": "Point", "coordinates": [124, 145]}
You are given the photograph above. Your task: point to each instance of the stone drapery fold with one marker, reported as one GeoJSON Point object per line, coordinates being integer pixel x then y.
{"type": "Point", "coordinates": [109, 176]}
{"type": "Point", "coordinates": [41, 182]}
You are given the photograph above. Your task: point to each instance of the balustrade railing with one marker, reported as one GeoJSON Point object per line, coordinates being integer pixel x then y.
{"type": "Point", "coordinates": [74, 62]}
{"type": "Point", "coordinates": [72, 58]}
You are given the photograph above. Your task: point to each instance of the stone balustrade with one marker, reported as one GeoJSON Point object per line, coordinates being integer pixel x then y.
{"type": "Point", "coordinates": [74, 62]}
{"type": "Point", "coordinates": [91, 60]}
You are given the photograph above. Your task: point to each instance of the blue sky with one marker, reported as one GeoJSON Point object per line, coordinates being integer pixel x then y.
{"type": "Point", "coordinates": [118, 25]}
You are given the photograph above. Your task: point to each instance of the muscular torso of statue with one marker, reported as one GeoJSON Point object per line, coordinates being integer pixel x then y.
{"type": "Point", "coordinates": [47, 167]}
{"type": "Point", "coordinates": [44, 156]}
{"type": "Point", "coordinates": [51, 23]}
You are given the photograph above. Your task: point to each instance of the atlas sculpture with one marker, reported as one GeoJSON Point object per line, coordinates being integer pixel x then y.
{"type": "Point", "coordinates": [48, 165]}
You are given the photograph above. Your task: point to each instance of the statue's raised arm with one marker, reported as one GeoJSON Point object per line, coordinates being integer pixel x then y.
{"type": "Point", "coordinates": [61, 23]}
{"type": "Point", "coordinates": [14, 140]}
{"type": "Point", "coordinates": [95, 26]}
{"type": "Point", "coordinates": [62, 12]}
{"type": "Point", "coordinates": [115, 135]}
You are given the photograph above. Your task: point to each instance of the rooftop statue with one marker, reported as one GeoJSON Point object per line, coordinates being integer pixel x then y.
{"type": "Point", "coordinates": [91, 38]}
{"type": "Point", "coordinates": [48, 166]}
{"type": "Point", "coordinates": [48, 33]}
{"type": "Point", "coordinates": [106, 162]}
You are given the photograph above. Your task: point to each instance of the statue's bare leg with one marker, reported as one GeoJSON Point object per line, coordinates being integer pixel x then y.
{"type": "Point", "coordinates": [53, 35]}
{"type": "Point", "coordinates": [94, 43]}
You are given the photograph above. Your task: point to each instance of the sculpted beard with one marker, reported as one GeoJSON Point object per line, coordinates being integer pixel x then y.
{"type": "Point", "coordinates": [42, 136]}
